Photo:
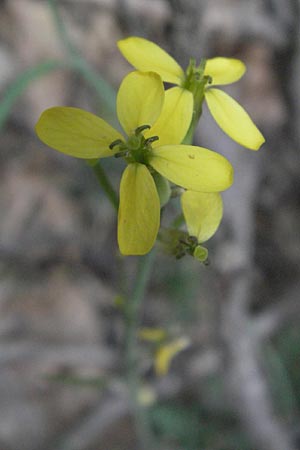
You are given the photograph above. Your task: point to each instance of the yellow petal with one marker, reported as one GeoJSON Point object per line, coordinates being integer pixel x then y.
{"type": "Point", "coordinates": [233, 119]}
{"type": "Point", "coordinates": [76, 132]}
{"type": "Point", "coordinates": [140, 100]}
{"type": "Point", "coordinates": [195, 168]}
{"type": "Point", "coordinates": [145, 55]}
{"type": "Point", "coordinates": [202, 212]}
{"type": "Point", "coordinates": [152, 334]}
{"type": "Point", "coordinates": [139, 211]}
{"type": "Point", "coordinates": [175, 118]}
{"type": "Point", "coordinates": [166, 353]}
{"type": "Point", "coordinates": [224, 70]}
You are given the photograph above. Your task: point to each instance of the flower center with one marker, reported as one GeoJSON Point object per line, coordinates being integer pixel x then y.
{"type": "Point", "coordinates": [179, 243]}
{"type": "Point", "coordinates": [137, 148]}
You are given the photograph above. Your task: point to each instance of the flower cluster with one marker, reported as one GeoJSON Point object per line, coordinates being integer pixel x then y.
{"type": "Point", "coordinates": [229, 115]}
{"type": "Point", "coordinates": [155, 143]}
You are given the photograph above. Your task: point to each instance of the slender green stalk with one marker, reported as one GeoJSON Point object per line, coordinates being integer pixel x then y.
{"type": "Point", "coordinates": [195, 82]}
{"type": "Point", "coordinates": [178, 221]}
{"type": "Point", "coordinates": [188, 140]}
{"type": "Point", "coordinates": [144, 435]}
{"type": "Point", "coordinates": [104, 89]}
{"type": "Point", "coordinates": [60, 27]}
{"type": "Point", "coordinates": [107, 94]}
{"type": "Point", "coordinates": [21, 82]}
{"type": "Point", "coordinates": [78, 63]}
{"type": "Point", "coordinates": [198, 100]}
{"type": "Point", "coordinates": [106, 185]}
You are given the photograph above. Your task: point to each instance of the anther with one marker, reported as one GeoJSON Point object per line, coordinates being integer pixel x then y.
{"type": "Point", "coordinates": [192, 240]}
{"type": "Point", "coordinates": [114, 143]}
{"type": "Point", "coordinates": [120, 154]}
{"type": "Point", "coordinates": [139, 130]}
{"type": "Point", "coordinates": [183, 242]}
{"type": "Point", "coordinates": [151, 139]}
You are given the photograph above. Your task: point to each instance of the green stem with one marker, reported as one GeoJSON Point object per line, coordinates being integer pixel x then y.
{"type": "Point", "coordinates": [198, 100]}
{"type": "Point", "coordinates": [178, 221]}
{"type": "Point", "coordinates": [106, 185]}
{"type": "Point", "coordinates": [74, 61]}
{"type": "Point", "coordinates": [189, 137]}
{"type": "Point", "coordinates": [60, 28]}
{"type": "Point", "coordinates": [195, 82]}
{"type": "Point", "coordinates": [20, 84]}
{"type": "Point", "coordinates": [143, 431]}
{"type": "Point", "coordinates": [78, 63]}
{"type": "Point", "coordinates": [104, 89]}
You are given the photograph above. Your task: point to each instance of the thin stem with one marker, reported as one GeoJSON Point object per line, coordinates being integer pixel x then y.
{"type": "Point", "coordinates": [198, 100]}
{"type": "Point", "coordinates": [195, 83]}
{"type": "Point", "coordinates": [78, 63]}
{"type": "Point", "coordinates": [143, 431]}
{"type": "Point", "coordinates": [178, 221]}
{"type": "Point", "coordinates": [189, 137]}
{"type": "Point", "coordinates": [145, 263]}
{"type": "Point", "coordinates": [60, 28]}
{"type": "Point", "coordinates": [106, 185]}
{"type": "Point", "coordinates": [19, 85]}
{"type": "Point", "coordinates": [104, 89]}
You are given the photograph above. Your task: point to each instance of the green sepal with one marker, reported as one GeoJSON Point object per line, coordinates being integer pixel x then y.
{"type": "Point", "coordinates": [163, 188]}
{"type": "Point", "coordinates": [200, 253]}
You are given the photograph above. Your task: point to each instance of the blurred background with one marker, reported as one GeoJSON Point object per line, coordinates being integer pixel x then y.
{"type": "Point", "coordinates": [237, 385]}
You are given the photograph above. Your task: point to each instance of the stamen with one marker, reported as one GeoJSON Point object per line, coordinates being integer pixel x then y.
{"type": "Point", "coordinates": [151, 139]}
{"type": "Point", "coordinates": [114, 143]}
{"type": "Point", "coordinates": [192, 240]}
{"type": "Point", "coordinates": [188, 244]}
{"type": "Point", "coordinates": [184, 242]}
{"type": "Point", "coordinates": [139, 130]}
{"type": "Point", "coordinates": [120, 154]}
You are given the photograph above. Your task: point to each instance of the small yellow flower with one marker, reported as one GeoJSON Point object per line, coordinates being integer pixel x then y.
{"type": "Point", "coordinates": [166, 353]}
{"type": "Point", "coordinates": [152, 334]}
{"type": "Point", "coordinates": [203, 214]}
{"type": "Point", "coordinates": [155, 123]}
{"type": "Point", "coordinates": [230, 116]}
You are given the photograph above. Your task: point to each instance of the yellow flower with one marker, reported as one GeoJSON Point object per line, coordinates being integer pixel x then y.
{"type": "Point", "coordinates": [155, 123]}
{"type": "Point", "coordinates": [167, 352]}
{"type": "Point", "coordinates": [230, 116]}
{"type": "Point", "coordinates": [152, 334]}
{"type": "Point", "coordinates": [202, 213]}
